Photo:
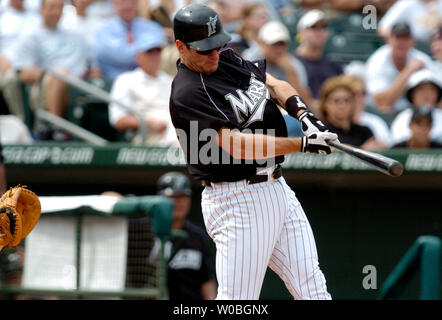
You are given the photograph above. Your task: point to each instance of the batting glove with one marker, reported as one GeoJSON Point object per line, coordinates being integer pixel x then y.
{"type": "Point", "coordinates": [311, 124]}
{"type": "Point", "coordinates": [316, 142]}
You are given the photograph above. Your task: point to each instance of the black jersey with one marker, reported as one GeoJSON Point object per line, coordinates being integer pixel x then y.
{"type": "Point", "coordinates": [235, 96]}
{"type": "Point", "coordinates": [191, 265]}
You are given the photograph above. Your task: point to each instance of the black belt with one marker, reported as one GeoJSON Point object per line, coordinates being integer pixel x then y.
{"type": "Point", "coordinates": [257, 178]}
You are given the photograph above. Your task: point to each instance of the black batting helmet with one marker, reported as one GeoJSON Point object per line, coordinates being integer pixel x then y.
{"type": "Point", "coordinates": [199, 26]}
{"type": "Point", "coordinates": [172, 184]}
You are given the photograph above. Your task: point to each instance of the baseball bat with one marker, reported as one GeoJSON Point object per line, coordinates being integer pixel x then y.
{"type": "Point", "coordinates": [381, 163]}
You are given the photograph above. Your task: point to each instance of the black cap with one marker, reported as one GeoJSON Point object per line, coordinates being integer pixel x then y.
{"type": "Point", "coordinates": [422, 112]}
{"type": "Point", "coordinates": [199, 26]}
{"type": "Point", "coordinates": [173, 184]}
{"type": "Point", "coordinates": [401, 29]}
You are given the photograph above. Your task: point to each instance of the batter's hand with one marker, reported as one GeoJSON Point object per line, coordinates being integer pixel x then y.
{"type": "Point", "coordinates": [315, 142]}
{"type": "Point", "coordinates": [311, 124]}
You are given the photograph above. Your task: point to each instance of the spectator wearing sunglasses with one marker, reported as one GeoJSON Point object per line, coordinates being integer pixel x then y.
{"type": "Point", "coordinates": [313, 35]}
{"type": "Point", "coordinates": [361, 116]}
{"type": "Point", "coordinates": [145, 90]}
{"type": "Point", "coordinates": [336, 109]}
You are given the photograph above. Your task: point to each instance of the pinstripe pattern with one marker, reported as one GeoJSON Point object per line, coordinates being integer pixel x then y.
{"type": "Point", "coordinates": [260, 225]}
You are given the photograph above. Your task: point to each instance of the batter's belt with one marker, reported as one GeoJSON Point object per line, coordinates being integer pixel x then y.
{"type": "Point", "coordinates": [257, 178]}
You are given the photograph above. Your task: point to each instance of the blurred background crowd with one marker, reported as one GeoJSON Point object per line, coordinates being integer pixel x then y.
{"type": "Point", "coordinates": [372, 70]}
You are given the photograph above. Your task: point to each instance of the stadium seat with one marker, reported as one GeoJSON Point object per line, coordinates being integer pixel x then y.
{"type": "Point", "coordinates": [91, 113]}
{"type": "Point", "coordinates": [352, 22]}
{"type": "Point", "coordinates": [346, 47]}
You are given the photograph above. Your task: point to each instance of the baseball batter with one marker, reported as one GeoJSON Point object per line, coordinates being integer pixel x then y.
{"type": "Point", "coordinates": [225, 111]}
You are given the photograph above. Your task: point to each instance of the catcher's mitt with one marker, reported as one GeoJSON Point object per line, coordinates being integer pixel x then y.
{"type": "Point", "coordinates": [19, 212]}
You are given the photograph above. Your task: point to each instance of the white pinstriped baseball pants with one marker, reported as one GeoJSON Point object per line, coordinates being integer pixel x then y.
{"type": "Point", "coordinates": [260, 225]}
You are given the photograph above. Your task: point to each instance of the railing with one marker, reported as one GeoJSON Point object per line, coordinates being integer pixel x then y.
{"type": "Point", "coordinates": [423, 254]}
{"type": "Point", "coordinates": [44, 258]}
{"type": "Point", "coordinates": [92, 90]}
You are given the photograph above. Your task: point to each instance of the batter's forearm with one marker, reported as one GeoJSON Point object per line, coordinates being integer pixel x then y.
{"type": "Point", "coordinates": [256, 146]}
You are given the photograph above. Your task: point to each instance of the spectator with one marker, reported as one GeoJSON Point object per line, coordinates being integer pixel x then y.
{"type": "Point", "coordinates": [76, 18]}
{"type": "Point", "coordinates": [312, 30]}
{"type": "Point", "coordinates": [115, 40]}
{"type": "Point", "coordinates": [436, 51]}
{"type": "Point", "coordinates": [15, 20]}
{"type": "Point", "coordinates": [30, 5]}
{"type": "Point", "coordinates": [422, 16]}
{"type": "Point", "coordinates": [2, 172]}
{"type": "Point", "coordinates": [273, 39]}
{"type": "Point", "coordinates": [221, 7]}
{"type": "Point", "coordinates": [191, 274]}
{"type": "Point", "coordinates": [424, 89]}
{"type": "Point", "coordinates": [101, 10]}
{"type": "Point", "coordinates": [421, 123]}
{"type": "Point", "coordinates": [375, 123]}
{"type": "Point", "coordinates": [52, 48]}
{"type": "Point", "coordinates": [253, 17]}
{"type": "Point", "coordinates": [337, 108]}
{"type": "Point", "coordinates": [337, 6]}
{"type": "Point", "coordinates": [390, 66]}
{"type": "Point", "coordinates": [145, 89]}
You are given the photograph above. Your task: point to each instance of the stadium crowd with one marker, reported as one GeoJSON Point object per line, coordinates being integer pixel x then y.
{"type": "Point", "coordinates": [378, 87]}
{"type": "Point", "coordinates": [365, 81]}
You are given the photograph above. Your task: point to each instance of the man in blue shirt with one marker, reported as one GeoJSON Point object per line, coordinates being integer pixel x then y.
{"type": "Point", "coordinates": [115, 41]}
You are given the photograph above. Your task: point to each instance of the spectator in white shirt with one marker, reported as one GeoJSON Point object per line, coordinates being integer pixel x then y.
{"type": "Point", "coordinates": [389, 68]}
{"type": "Point", "coordinates": [146, 91]}
{"type": "Point", "coordinates": [15, 21]}
{"type": "Point", "coordinates": [422, 15]}
{"type": "Point", "coordinates": [77, 19]}
{"type": "Point", "coordinates": [424, 90]}
{"type": "Point", "coordinates": [48, 47]}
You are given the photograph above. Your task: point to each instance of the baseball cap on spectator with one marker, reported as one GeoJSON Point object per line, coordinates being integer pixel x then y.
{"type": "Point", "coordinates": [401, 29]}
{"type": "Point", "coordinates": [422, 76]}
{"type": "Point", "coordinates": [422, 112]}
{"type": "Point", "coordinates": [150, 40]}
{"type": "Point", "coordinates": [310, 18]}
{"type": "Point", "coordinates": [273, 32]}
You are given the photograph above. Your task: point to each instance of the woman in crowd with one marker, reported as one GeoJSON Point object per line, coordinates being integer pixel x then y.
{"type": "Point", "coordinates": [337, 107]}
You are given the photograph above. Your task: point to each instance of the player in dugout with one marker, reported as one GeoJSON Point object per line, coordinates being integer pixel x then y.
{"type": "Point", "coordinates": [191, 274]}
